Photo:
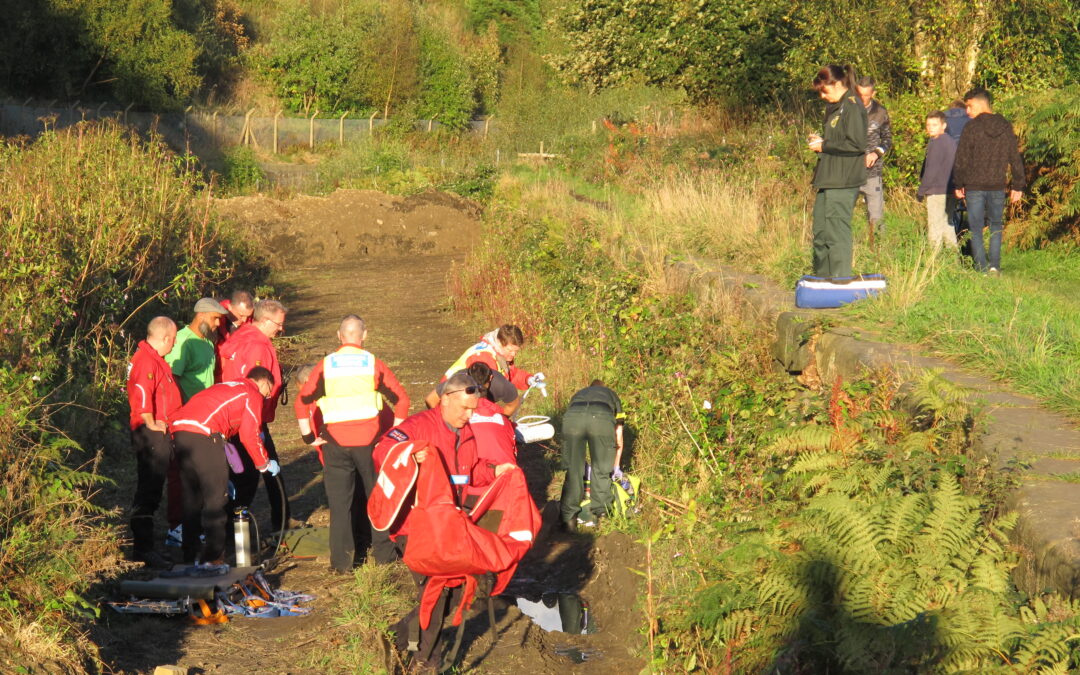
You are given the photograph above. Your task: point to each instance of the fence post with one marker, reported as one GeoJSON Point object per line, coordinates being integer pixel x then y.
{"type": "Point", "coordinates": [213, 126]}
{"type": "Point", "coordinates": [487, 123]}
{"type": "Point", "coordinates": [126, 111]}
{"type": "Point", "coordinates": [341, 128]}
{"type": "Point", "coordinates": [275, 116]}
{"type": "Point", "coordinates": [431, 121]}
{"type": "Point", "coordinates": [187, 133]}
{"type": "Point", "coordinates": [97, 113]}
{"type": "Point", "coordinates": [311, 130]}
{"type": "Point", "coordinates": [245, 135]}
{"type": "Point", "coordinates": [371, 123]}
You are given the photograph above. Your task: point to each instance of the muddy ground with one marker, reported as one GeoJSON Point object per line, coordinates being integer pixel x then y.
{"type": "Point", "coordinates": [347, 225]}
{"type": "Point", "coordinates": [397, 283]}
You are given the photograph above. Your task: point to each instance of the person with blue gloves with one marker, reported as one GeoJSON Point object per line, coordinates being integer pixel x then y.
{"type": "Point", "coordinates": [200, 429]}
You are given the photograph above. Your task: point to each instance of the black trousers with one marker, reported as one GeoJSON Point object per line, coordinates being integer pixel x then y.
{"type": "Point", "coordinates": [429, 650]}
{"type": "Point", "coordinates": [153, 450]}
{"type": "Point", "coordinates": [204, 474]}
{"type": "Point", "coordinates": [349, 523]}
{"type": "Point", "coordinates": [247, 483]}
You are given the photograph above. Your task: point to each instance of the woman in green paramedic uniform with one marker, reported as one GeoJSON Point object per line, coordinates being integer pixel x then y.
{"type": "Point", "coordinates": [840, 170]}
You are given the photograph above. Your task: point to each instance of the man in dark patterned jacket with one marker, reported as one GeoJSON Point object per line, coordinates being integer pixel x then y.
{"type": "Point", "coordinates": [878, 144]}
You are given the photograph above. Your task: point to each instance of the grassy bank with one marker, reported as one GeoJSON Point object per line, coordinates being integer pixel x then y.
{"type": "Point", "coordinates": [101, 232]}
{"type": "Point", "coordinates": [791, 530]}
{"type": "Point", "coordinates": [737, 190]}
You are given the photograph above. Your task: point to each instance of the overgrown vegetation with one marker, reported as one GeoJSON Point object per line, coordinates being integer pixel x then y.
{"type": "Point", "coordinates": [761, 51]}
{"type": "Point", "coordinates": [101, 231]}
{"type": "Point", "coordinates": [800, 531]}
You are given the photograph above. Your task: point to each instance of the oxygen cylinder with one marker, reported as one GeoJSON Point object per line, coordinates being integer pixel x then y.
{"type": "Point", "coordinates": [245, 555]}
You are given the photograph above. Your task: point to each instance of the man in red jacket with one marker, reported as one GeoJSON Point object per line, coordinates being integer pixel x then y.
{"type": "Point", "coordinates": [250, 347]}
{"type": "Point", "coordinates": [498, 349]}
{"type": "Point", "coordinates": [446, 427]}
{"type": "Point", "coordinates": [350, 388]}
{"type": "Point", "coordinates": [240, 306]}
{"type": "Point", "coordinates": [200, 429]}
{"type": "Point", "coordinates": [153, 397]}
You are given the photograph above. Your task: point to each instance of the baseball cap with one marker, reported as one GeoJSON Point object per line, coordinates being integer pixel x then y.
{"type": "Point", "coordinates": [209, 305]}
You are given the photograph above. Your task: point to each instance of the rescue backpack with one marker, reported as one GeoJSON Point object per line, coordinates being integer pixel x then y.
{"type": "Point", "coordinates": [446, 544]}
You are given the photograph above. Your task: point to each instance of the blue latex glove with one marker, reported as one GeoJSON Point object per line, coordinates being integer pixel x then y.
{"type": "Point", "coordinates": [273, 468]}
{"type": "Point", "coordinates": [231, 490]}
{"type": "Point", "coordinates": [617, 474]}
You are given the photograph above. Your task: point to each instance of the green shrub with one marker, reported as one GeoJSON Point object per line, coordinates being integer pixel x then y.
{"type": "Point", "coordinates": [446, 88]}
{"type": "Point", "coordinates": [241, 170]}
{"type": "Point", "coordinates": [1048, 123]}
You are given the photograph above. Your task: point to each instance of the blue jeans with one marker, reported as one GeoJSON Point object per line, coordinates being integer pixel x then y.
{"type": "Point", "coordinates": [985, 208]}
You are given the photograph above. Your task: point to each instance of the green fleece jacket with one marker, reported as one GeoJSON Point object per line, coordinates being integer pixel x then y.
{"type": "Point", "coordinates": [840, 163]}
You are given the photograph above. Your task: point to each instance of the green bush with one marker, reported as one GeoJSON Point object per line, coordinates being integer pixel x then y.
{"type": "Point", "coordinates": [446, 88]}
{"type": "Point", "coordinates": [1048, 123]}
{"type": "Point", "coordinates": [241, 171]}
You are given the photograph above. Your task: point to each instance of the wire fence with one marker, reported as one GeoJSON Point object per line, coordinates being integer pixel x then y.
{"type": "Point", "coordinates": [194, 130]}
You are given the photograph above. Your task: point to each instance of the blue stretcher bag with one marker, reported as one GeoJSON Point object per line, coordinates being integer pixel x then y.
{"type": "Point", "coordinates": [828, 292]}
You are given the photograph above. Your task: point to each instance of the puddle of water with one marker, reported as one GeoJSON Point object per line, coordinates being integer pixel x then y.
{"type": "Point", "coordinates": [578, 655]}
{"type": "Point", "coordinates": [560, 612]}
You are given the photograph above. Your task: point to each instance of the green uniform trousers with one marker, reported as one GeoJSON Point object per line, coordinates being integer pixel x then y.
{"type": "Point", "coordinates": [594, 426]}
{"type": "Point", "coordinates": [832, 231]}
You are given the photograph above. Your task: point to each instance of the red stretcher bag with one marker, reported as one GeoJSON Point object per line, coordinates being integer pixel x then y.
{"type": "Point", "coordinates": [445, 543]}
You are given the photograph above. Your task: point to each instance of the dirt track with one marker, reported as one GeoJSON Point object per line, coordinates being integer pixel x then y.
{"type": "Point", "coordinates": [401, 293]}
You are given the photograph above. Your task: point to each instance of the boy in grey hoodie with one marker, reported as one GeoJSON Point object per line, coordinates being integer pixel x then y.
{"type": "Point", "coordinates": [937, 180]}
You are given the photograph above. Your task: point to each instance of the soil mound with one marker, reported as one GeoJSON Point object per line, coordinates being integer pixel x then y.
{"type": "Point", "coordinates": [350, 224]}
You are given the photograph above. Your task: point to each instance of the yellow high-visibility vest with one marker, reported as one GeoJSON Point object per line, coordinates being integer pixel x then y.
{"type": "Point", "coordinates": [479, 348]}
{"type": "Point", "coordinates": [349, 378]}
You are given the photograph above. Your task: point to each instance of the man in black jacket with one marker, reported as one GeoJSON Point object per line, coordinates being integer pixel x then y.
{"type": "Point", "coordinates": [878, 144]}
{"type": "Point", "coordinates": [987, 162]}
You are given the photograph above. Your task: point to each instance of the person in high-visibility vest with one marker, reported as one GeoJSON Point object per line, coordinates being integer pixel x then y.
{"type": "Point", "coordinates": [350, 387]}
{"type": "Point", "coordinates": [498, 349]}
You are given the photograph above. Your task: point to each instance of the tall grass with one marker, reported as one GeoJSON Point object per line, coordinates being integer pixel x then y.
{"type": "Point", "coordinates": [101, 231]}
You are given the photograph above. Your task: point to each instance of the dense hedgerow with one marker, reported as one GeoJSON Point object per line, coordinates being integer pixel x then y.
{"type": "Point", "coordinates": [101, 231]}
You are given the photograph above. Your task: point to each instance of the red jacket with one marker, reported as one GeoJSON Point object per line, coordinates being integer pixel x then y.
{"type": "Point", "coordinates": [225, 328]}
{"type": "Point", "coordinates": [457, 451]}
{"type": "Point", "coordinates": [481, 353]}
{"type": "Point", "coordinates": [519, 377]}
{"type": "Point", "coordinates": [359, 432]}
{"type": "Point", "coordinates": [446, 544]}
{"type": "Point", "coordinates": [494, 433]}
{"type": "Point", "coordinates": [229, 409]}
{"type": "Point", "coordinates": [245, 349]}
{"type": "Point", "coordinates": [150, 386]}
